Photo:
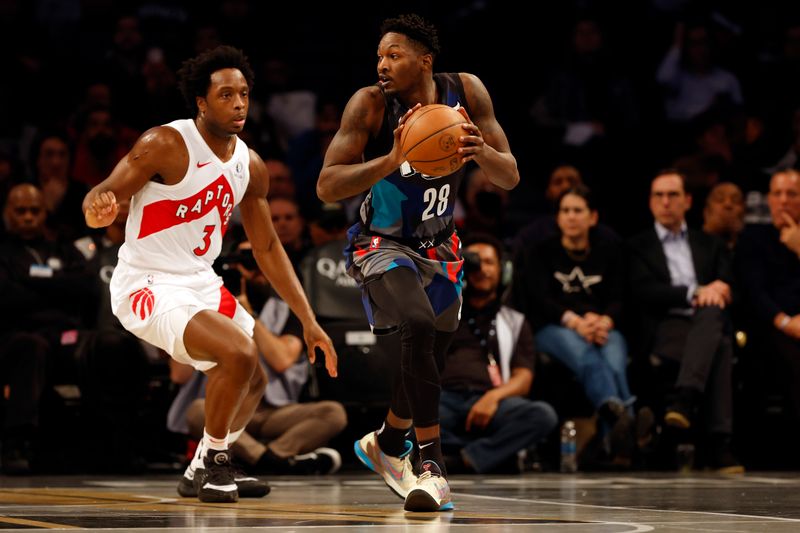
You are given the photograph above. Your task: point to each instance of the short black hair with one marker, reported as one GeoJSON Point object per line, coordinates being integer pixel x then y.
{"type": "Point", "coordinates": [194, 76]}
{"type": "Point", "coordinates": [582, 191]}
{"type": "Point", "coordinates": [415, 28]}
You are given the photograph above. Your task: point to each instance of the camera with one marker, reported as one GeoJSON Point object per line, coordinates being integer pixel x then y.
{"type": "Point", "coordinates": [226, 268]}
{"type": "Point", "coordinates": [243, 257]}
{"type": "Point", "coordinates": [472, 262]}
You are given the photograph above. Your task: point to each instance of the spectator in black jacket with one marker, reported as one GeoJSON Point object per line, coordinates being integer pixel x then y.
{"type": "Point", "coordinates": [768, 267]}
{"type": "Point", "coordinates": [681, 278]}
{"type": "Point", "coordinates": [47, 291]}
{"type": "Point", "coordinates": [570, 288]}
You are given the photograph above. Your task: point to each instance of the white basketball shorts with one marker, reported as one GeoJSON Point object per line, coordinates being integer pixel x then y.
{"type": "Point", "coordinates": [156, 306]}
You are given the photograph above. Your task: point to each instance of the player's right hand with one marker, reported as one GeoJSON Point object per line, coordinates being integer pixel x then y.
{"type": "Point", "coordinates": [315, 337]}
{"type": "Point", "coordinates": [396, 148]}
{"type": "Point", "coordinates": [102, 211]}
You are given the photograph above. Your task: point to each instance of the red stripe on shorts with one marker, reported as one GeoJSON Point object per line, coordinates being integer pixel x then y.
{"type": "Point", "coordinates": [227, 303]}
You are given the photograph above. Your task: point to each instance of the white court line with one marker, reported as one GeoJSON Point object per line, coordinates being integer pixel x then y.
{"type": "Point", "coordinates": [651, 510]}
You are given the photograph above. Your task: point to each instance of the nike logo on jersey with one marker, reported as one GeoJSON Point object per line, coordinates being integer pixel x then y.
{"type": "Point", "coordinates": [425, 445]}
{"type": "Point", "coordinates": [201, 165]}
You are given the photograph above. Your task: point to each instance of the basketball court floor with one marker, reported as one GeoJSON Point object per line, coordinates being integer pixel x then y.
{"type": "Point", "coordinates": [354, 502]}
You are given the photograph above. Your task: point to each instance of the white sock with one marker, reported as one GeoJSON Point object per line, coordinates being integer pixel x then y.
{"type": "Point", "coordinates": [214, 443]}
{"type": "Point", "coordinates": [234, 435]}
{"type": "Point", "coordinates": [197, 461]}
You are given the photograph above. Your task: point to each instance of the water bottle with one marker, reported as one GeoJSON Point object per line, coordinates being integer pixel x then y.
{"type": "Point", "coordinates": [685, 457]}
{"type": "Point", "coordinates": [569, 447]}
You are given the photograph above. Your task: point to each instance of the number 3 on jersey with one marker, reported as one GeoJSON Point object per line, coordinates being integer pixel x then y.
{"type": "Point", "coordinates": [435, 200]}
{"type": "Point", "coordinates": [207, 231]}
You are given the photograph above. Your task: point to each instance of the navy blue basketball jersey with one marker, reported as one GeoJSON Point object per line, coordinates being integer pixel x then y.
{"type": "Point", "coordinates": [406, 204]}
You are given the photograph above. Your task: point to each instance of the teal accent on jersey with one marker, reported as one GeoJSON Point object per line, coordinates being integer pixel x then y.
{"type": "Point", "coordinates": [387, 200]}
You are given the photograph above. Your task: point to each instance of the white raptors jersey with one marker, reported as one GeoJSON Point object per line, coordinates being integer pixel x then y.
{"type": "Point", "coordinates": [178, 228]}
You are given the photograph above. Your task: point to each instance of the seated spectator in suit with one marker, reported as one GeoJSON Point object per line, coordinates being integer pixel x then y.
{"type": "Point", "coordinates": [681, 278]}
{"type": "Point", "coordinates": [723, 214]}
{"type": "Point", "coordinates": [47, 293]}
{"type": "Point", "coordinates": [284, 436]}
{"type": "Point", "coordinates": [485, 413]}
{"type": "Point", "coordinates": [570, 288]}
{"type": "Point", "coordinates": [768, 267]}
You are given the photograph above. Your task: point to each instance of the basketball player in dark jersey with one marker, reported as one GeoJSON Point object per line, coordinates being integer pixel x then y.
{"type": "Point", "coordinates": [405, 252]}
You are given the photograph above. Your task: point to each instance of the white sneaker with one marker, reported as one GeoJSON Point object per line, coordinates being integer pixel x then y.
{"type": "Point", "coordinates": [432, 493]}
{"type": "Point", "coordinates": [395, 471]}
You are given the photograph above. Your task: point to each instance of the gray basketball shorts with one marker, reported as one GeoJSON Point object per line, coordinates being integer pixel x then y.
{"type": "Point", "coordinates": [439, 270]}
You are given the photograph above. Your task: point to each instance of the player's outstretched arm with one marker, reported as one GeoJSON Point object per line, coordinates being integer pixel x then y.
{"type": "Point", "coordinates": [275, 264]}
{"type": "Point", "coordinates": [344, 171]}
{"type": "Point", "coordinates": [157, 151]}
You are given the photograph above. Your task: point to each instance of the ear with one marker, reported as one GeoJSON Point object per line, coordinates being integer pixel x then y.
{"type": "Point", "coordinates": [202, 104]}
{"type": "Point", "coordinates": [593, 218]}
{"type": "Point", "coordinates": [688, 201]}
{"type": "Point", "coordinates": [427, 61]}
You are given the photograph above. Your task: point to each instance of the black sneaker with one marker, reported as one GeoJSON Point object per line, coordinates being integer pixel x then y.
{"type": "Point", "coordinates": [248, 486]}
{"type": "Point", "coordinates": [215, 483]}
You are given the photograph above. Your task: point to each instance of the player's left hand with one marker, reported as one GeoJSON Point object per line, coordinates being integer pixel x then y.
{"type": "Point", "coordinates": [472, 140]}
{"type": "Point", "coordinates": [316, 337]}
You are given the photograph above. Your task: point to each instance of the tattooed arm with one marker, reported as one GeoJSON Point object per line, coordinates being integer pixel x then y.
{"type": "Point", "coordinates": [344, 171]}
{"type": "Point", "coordinates": [485, 140]}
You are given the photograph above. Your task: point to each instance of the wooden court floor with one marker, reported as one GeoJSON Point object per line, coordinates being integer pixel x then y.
{"type": "Point", "coordinates": [353, 502]}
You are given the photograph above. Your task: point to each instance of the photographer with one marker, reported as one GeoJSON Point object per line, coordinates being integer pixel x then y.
{"type": "Point", "coordinates": [485, 414]}
{"type": "Point", "coordinates": [284, 436]}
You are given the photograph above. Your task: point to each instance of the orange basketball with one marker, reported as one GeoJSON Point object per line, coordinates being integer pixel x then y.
{"type": "Point", "coordinates": [429, 140]}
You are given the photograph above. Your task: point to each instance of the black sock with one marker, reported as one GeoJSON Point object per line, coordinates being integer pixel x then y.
{"type": "Point", "coordinates": [392, 440]}
{"type": "Point", "coordinates": [431, 450]}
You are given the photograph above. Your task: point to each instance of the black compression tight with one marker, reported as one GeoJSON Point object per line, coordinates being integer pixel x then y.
{"type": "Point", "coordinates": [416, 389]}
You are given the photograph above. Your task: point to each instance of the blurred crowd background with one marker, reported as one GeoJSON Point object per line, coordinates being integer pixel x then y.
{"type": "Point", "coordinates": [601, 93]}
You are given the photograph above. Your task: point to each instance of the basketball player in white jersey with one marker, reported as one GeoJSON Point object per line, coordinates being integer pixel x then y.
{"type": "Point", "coordinates": [184, 179]}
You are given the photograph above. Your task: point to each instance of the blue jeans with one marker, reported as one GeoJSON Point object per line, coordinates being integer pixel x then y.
{"type": "Point", "coordinates": [600, 369]}
{"type": "Point", "coordinates": [518, 424]}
